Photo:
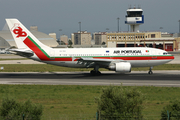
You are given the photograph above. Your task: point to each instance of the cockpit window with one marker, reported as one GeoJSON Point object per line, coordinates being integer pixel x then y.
{"type": "Point", "coordinates": [165, 53]}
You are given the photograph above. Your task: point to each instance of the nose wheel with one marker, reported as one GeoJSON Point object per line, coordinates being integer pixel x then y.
{"type": "Point", "coordinates": [150, 70]}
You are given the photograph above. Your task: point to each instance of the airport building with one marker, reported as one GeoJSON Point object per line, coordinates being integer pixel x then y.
{"type": "Point", "coordinates": [81, 38]}
{"type": "Point", "coordinates": [63, 39]}
{"type": "Point", "coordinates": [134, 18]}
{"type": "Point", "coordinates": [135, 38]}
{"type": "Point", "coordinates": [100, 38]}
{"type": "Point", "coordinates": [141, 39]}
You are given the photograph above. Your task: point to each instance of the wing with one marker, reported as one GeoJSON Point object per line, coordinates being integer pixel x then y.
{"type": "Point", "coordinates": [90, 62]}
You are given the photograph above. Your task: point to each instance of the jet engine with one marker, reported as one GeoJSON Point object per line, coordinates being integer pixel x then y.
{"type": "Point", "coordinates": [120, 67]}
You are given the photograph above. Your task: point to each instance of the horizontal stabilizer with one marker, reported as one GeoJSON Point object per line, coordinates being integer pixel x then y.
{"type": "Point", "coordinates": [23, 52]}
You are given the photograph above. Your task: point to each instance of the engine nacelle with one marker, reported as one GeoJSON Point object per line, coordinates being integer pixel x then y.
{"type": "Point", "coordinates": [120, 67]}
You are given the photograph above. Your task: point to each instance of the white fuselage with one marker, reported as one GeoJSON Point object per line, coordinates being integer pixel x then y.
{"type": "Point", "coordinates": [137, 56]}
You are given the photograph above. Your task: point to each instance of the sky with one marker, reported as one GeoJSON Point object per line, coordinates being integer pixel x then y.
{"type": "Point", "coordinates": [95, 15]}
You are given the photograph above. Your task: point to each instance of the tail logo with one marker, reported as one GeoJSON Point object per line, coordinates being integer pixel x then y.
{"type": "Point", "coordinates": [19, 31]}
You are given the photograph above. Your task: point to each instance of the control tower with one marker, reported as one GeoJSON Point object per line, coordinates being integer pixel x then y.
{"type": "Point", "coordinates": [134, 18]}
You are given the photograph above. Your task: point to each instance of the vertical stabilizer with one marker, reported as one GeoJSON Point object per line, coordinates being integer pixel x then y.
{"type": "Point", "coordinates": [20, 34]}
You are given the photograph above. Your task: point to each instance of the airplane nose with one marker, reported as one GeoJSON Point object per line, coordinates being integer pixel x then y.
{"type": "Point", "coordinates": [171, 57]}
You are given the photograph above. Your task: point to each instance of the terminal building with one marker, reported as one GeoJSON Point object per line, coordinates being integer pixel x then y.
{"type": "Point", "coordinates": [141, 39]}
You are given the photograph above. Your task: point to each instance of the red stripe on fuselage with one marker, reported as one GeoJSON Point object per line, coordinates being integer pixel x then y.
{"type": "Point", "coordinates": [139, 58]}
{"type": "Point", "coordinates": [151, 58]}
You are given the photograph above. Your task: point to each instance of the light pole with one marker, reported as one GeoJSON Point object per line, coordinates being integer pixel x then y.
{"type": "Point", "coordinates": [118, 23]}
{"type": "Point", "coordinates": [107, 29]}
{"type": "Point", "coordinates": [179, 26]}
{"type": "Point", "coordinates": [80, 27]}
{"type": "Point", "coordinates": [60, 36]}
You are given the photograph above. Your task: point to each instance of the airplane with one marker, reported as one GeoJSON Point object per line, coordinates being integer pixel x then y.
{"type": "Point", "coordinates": [115, 59]}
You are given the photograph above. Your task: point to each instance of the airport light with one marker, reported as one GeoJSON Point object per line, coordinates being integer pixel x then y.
{"type": "Point", "coordinates": [107, 29]}
{"type": "Point", "coordinates": [118, 23]}
{"type": "Point", "coordinates": [60, 36]}
{"type": "Point", "coordinates": [80, 27]}
{"type": "Point", "coordinates": [179, 26]}
{"type": "Point", "coordinates": [161, 29]}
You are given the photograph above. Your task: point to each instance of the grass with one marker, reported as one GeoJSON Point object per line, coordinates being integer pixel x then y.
{"type": "Point", "coordinates": [52, 68]}
{"type": "Point", "coordinates": [77, 102]}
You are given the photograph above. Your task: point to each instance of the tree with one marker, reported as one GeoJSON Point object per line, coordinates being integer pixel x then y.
{"type": "Point", "coordinates": [103, 43]}
{"type": "Point", "coordinates": [12, 110]}
{"type": "Point", "coordinates": [118, 102]}
{"type": "Point", "coordinates": [173, 109]}
{"type": "Point", "coordinates": [70, 42]}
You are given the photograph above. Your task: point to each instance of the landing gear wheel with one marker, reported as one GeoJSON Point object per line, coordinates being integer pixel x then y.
{"type": "Point", "coordinates": [98, 72]}
{"type": "Point", "coordinates": [93, 72]}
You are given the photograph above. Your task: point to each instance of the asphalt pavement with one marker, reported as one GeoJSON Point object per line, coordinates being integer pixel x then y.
{"type": "Point", "coordinates": [135, 78]}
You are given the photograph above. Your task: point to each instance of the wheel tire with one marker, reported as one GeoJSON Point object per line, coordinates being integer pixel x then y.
{"type": "Point", "coordinates": [93, 72]}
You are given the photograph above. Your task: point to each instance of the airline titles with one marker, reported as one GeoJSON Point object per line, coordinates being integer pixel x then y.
{"type": "Point", "coordinates": [126, 51]}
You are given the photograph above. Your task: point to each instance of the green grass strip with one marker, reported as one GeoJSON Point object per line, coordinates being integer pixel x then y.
{"type": "Point", "coordinates": [52, 68]}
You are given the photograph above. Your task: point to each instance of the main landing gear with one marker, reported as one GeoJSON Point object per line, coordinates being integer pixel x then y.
{"type": "Point", "coordinates": [95, 71]}
{"type": "Point", "coordinates": [150, 70]}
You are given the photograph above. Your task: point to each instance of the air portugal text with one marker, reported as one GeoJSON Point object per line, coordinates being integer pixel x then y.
{"type": "Point", "coordinates": [127, 51]}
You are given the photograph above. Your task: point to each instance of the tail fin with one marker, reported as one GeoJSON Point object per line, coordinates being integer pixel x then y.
{"type": "Point", "coordinates": [22, 36]}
